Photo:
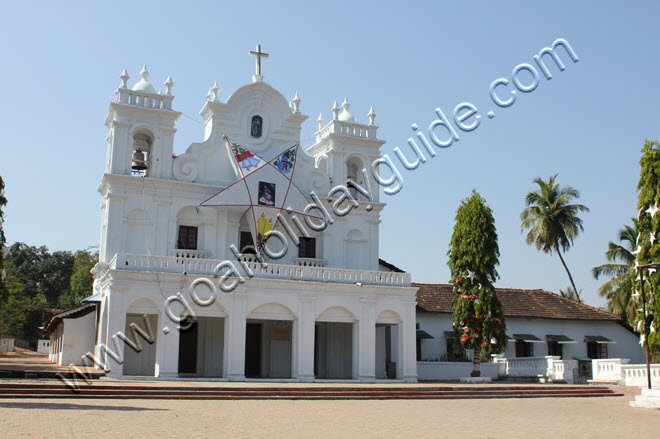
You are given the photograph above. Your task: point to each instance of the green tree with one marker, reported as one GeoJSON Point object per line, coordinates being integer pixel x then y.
{"type": "Point", "coordinates": [42, 272]}
{"type": "Point", "coordinates": [38, 279]}
{"type": "Point", "coordinates": [17, 310]}
{"type": "Point", "coordinates": [552, 220]}
{"type": "Point", "coordinates": [648, 249]}
{"type": "Point", "coordinates": [473, 255]}
{"type": "Point", "coordinates": [81, 280]}
{"type": "Point", "coordinates": [618, 290]}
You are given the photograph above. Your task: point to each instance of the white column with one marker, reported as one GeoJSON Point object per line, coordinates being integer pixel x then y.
{"type": "Point", "coordinates": [236, 337]}
{"type": "Point", "coordinates": [116, 324]}
{"type": "Point", "coordinates": [306, 339]}
{"type": "Point", "coordinates": [367, 341]}
{"type": "Point", "coordinates": [408, 337]}
{"type": "Point", "coordinates": [167, 344]}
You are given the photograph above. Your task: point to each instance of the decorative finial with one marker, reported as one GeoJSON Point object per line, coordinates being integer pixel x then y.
{"type": "Point", "coordinates": [215, 90]}
{"type": "Point", "coordinates": [321, 121]}
{"type": "Point", "coordinates": [371, 116]}
{"type": "Point", "coordinates": [168, 85]}
{"type": "Point", "coordinates": [144, 72]}
{"type": "Point", "coordinates": [209, 95]}
{"type": "Point", "coordinates": [124, 79]}
{"type": "Point", "coordinates": [296, 104]}
{"type": "Point", "coordinates": [345, 104]}
{"type": "Point", "coordinates": [335, 111]}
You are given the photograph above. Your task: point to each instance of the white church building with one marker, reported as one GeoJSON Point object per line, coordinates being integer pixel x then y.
{"type": "Point", "coordinates": [315, 305]}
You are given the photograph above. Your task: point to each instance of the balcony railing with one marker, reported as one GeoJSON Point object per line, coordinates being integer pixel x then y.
{"type": "Point", "coordinates": [191, 254]}
{"type": "Point", "coordinates": [210, 267]}
{"type": "Point", "coordinates": [310, 262]}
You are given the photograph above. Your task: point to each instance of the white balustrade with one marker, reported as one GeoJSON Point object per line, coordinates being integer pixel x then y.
{"type": "Point", "coordinates": [527, 367]}
{"type": "Point", "coordinates": [204, 266]}
{"type": "Point", "coordinates": [563, 370]}
{"type": "Point", "coordinates": [347, 129]}
{"type": "Point", "coordinates": [607, 370]}
{"type": "Point", "coordinates": [192, 254]}
{"type": "Point", "coordinates": [310, 262]}
{"type": "Point", "coordinates": [144, 99]}
{"type": "Point", "coordinates": [635, 375]}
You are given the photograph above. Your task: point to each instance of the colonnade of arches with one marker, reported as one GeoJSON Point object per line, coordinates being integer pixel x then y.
{"type": "Point", "coordinates": [269, 342]}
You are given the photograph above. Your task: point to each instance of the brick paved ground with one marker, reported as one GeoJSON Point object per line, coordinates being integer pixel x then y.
{"type": "Point", "coordinates": [502, 418]}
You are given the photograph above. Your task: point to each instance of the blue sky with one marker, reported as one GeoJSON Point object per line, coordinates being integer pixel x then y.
{"type": "Point", "coordinates": [61, 64]}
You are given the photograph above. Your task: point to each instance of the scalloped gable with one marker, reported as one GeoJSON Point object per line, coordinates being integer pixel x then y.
{"type": "Point", "coordinates": [209, 162]}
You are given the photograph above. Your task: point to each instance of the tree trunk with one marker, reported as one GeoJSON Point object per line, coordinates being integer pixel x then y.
{"type": "Point", "coordinates": [569, 275]}
{"type": "Point", "coordinates": [476, 362]}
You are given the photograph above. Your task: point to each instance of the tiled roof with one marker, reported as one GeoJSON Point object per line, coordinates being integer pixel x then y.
{"type": "Point", "coordinates": [70, 314]}
{"type": "Point", "coordinates": [517, 303]}
{"type": "Point", "coordinates": [392, 267]}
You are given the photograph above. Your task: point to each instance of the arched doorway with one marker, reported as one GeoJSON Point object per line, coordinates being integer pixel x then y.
{"type": "Point", "coordinates": [140, 342]}
{"type": "Point", "coordinates": [388, 345]}
{"type": "Point", "coordinates": [334, 344]}
{"type": "Point", "coordinates": [202, 343]}
{"type": "Point", "coordinates": [269, 334]}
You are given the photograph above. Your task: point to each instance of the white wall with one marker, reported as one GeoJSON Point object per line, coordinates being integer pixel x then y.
{"type": "Point", "coordinates": [77, 339]}
{"type": "Point", "coordinates": [7, 345]}
{"type": "Point", "coordinates": [626, 343]}
{"type": "Point", "coordinates": [43, 347]}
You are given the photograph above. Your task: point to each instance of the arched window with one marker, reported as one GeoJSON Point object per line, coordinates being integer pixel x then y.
{"type": "Point", "coordinates": [354, 172]}
{"type": "Point", "coordinates": [256, 126]}
{"type": "Point", "coordinates": [322, 164]}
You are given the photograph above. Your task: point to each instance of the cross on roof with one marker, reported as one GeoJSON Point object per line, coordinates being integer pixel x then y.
{"type": "Point", "coordinates": [259, 54]}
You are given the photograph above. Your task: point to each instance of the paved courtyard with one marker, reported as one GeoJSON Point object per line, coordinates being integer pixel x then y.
{"type": "Point", "coordinates": [609, 417]}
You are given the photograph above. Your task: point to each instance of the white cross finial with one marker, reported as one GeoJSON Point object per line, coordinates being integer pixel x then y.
{"type": "Point", "coordinates": [258, 54]}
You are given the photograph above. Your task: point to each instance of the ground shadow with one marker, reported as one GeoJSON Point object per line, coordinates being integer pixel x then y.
{"type": "Point", "coordinates": [68, 406]}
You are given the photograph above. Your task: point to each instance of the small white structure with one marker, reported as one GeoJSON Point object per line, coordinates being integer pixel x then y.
{"type": "Point", "coordinates": [72, 335]}
{"type": "Point", "coordinates": [7, 345]}
{"type": "Point", "coordinates": [550, 337]}
{"type": "Point", "coordinates": [43, 346]}
{"type": "Point", "coordinates": [322, 308]}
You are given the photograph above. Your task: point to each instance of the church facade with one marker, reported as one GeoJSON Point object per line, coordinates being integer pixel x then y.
{"type": "Point", "coordinates": [182, 290]}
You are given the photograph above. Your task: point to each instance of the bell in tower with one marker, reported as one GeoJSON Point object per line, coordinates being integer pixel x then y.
{"type": "Point", "coordinates": [141, 143]}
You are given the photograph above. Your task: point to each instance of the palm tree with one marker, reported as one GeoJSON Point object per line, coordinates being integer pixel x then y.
{"type": "Point", "coordinates": [552, 220]}
{"type": "Point", "coordinates": [618, 290]}
{"type": "Point", "coordinates": [569, 293]}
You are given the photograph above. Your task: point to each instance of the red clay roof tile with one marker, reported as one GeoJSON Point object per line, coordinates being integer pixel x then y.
{"type": "Point", "coordinates": [516, 302]}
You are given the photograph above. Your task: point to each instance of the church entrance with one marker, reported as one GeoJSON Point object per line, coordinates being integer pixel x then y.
{"type": "Point", "coordinates": [139, 353]}
{"type": "Point", "coordinates": [268, 348]}
{"type": "Point", "coordinates": [386, 351]}
{"type": "Point", "coordinates": [201, 348]}
{"type": "Point", "coordinates": [333, 350]}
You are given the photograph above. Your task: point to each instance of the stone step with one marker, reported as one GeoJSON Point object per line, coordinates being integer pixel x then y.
{"type": "Point", "coordinates": [345, 392]}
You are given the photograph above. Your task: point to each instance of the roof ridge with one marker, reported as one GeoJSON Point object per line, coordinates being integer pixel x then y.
{"type": "Point", "coordinates": [572, 301]}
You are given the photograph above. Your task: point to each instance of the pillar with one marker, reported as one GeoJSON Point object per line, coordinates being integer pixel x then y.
{"type": "Point", "coordinates": [305, 337]}
{"type": "Point", "coordinates": [167, 344]}
{"type": "Point", "coordinates": [236, 337]}
{"type": "Point", "coordinates": [116, 324]}
{"type": "Point", "coordinates": [367, 341]}
{"type": "Point", "coordinates": [408, 336]}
